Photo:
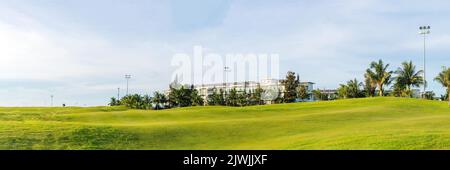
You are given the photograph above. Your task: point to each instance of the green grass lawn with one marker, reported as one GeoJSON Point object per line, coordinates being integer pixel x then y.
{"type": "Point", "coordinates": [372, 123]}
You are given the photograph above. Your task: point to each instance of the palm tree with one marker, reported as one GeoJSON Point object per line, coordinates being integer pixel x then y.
{"type": "Point", "coordinates": [232, 98]}
{"type": "Point", "coordinates": [350, 90]}
{"type": "Point", "coordinates": [369, 85]}
{"type": "Point", "coordinates": [342, 91]}
{"type": "Point", "coordinates": [444, 79]}
{"type": "Point", "coordinates": [114, 102]}
{"type": "Point", "coordinates": [215, 98]}
{"type": "Point", "coordinates": [159, 100]}
{"type": "Point", "coordinates": [354, 88]}
{"type": "Point", "coordinates": [256, 96]}
{"type": "Point", "coordinates": [196, 99]}
{"type": "Point", "coordinates": [130, 101]}
{"type": "Point", "coordinates": [147, 102]}
{"type": "Point", "coordinates": [379, 74]}
{"type": "Point", "coordinates": [243, 98]}
{"type": "Point", "coordinates": [399, 90]}
{"type": "Point", "coordinates": [408, 77]}
{"type": "Point", "coordinates": [137, 101]}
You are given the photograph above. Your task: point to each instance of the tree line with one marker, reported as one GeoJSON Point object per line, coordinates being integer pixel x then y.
{"type": "Point", "coordinates": [178, 97]}
{"type": "Point", "coordinates": [378, 78]}
{"type": "Point", "coordinates": [189, 96]}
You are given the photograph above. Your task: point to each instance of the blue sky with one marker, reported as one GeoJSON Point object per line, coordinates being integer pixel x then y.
{"type": "Point", "coordinates": [79, 50]}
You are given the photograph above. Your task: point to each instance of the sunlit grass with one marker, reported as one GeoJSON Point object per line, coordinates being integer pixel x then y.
{"type": "Point", "coordinates": [371, 123]}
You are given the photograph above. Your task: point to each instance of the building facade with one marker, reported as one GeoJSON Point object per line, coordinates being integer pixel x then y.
{"type": "Point", "coordinates": [273, 88]}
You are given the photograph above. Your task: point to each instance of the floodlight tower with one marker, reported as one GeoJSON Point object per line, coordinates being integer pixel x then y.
{"type": "Point", "coordinates": [128, 77]}
{"type": "Point", "coordinates": [118, 93]}
{"type": "Point", "coordinates": [424, 31]}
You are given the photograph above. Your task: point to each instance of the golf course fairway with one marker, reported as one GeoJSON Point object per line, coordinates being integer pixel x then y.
{"type": "Point", "coordinates": [354, 124]}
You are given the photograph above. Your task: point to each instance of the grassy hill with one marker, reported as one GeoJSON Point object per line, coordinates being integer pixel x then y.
{"type": "Point", "coordinates": [372, 123]}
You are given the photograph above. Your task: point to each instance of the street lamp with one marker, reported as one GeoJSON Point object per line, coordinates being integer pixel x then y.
{"type": "Point", "coordinates": [128, 77]}
{"type": "Point", "coordinates": [424, 31]}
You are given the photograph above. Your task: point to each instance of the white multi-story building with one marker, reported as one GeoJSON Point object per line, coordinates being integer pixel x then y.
{"type": "Point", "coordinates": [272, 88]}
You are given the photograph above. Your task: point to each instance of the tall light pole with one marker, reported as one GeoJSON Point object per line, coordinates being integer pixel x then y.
{"type": "Point", "coordinates": [128, 77]}
{"type": "Point", "coordinates": [118, 93]}
{"type": "Point", "coordinates": [424, 31]}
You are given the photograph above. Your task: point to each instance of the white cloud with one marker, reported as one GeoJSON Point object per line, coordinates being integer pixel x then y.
{"type": "Point", "coordinates": [82, 62]}
{"type": "Point", "coordinates": [328, 42]}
